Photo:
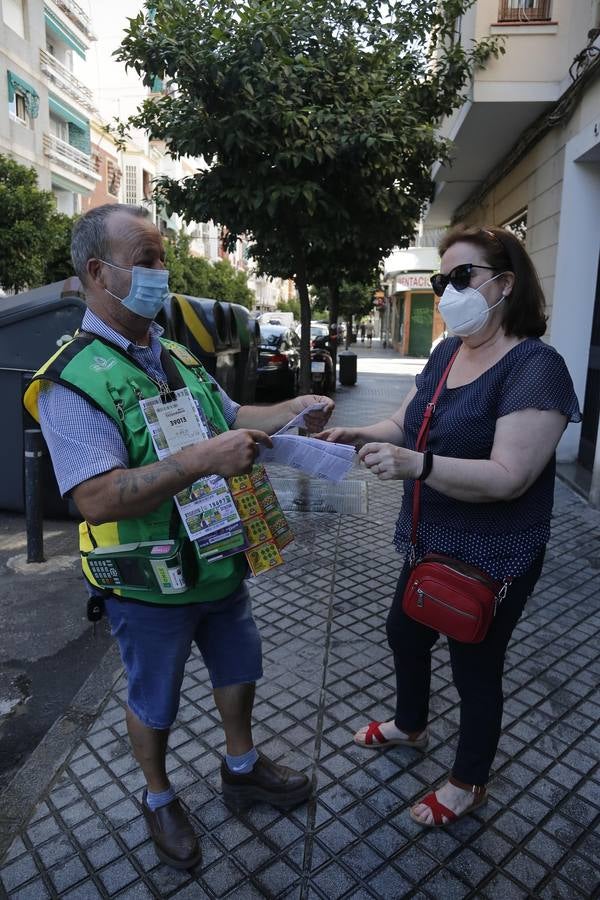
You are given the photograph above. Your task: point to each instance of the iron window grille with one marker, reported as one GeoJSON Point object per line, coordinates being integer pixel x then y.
{"type": "Point", "coordinates": [524, 10]}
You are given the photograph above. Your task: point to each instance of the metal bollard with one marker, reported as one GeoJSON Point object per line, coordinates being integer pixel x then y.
{"type": "Point", "coordinates": [34, 514]}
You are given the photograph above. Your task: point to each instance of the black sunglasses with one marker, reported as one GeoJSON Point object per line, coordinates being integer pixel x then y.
{"type": "Point", "coordinates": [459, 278]}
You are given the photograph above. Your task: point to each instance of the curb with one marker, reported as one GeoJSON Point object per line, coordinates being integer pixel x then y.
{"type": "Point", "coordinates": [24, 791]}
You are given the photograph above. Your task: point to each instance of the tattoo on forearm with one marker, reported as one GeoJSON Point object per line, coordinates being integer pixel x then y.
{"type": "Point", "coordinates": [131, 482]}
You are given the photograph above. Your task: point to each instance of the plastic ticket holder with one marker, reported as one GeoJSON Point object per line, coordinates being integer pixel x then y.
{"type": "Point", "coordinates": [146, 566]}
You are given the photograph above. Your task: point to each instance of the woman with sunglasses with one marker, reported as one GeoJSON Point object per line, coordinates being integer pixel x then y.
{"type": "Point", "coordinates": [487, 490]}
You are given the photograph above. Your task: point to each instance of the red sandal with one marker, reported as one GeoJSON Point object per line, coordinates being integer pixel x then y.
{"type": "Point", "coordinates": [440, 811]}
{"type": "Point", "coordinates": [376, 740]}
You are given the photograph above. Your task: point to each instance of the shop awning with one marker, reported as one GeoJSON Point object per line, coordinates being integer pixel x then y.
{"type": "Point", "coordinates": [32, 99]}
{"type": "Point", "coordinates": [65, 34]}
{"type": "Point", "coordinates": [65, 112]}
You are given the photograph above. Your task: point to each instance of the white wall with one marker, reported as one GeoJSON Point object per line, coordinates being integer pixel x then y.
{"type": "Point", "coordinates": [577, 264]}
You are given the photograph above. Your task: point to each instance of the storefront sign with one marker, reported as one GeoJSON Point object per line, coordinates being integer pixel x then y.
{"type": "Point", "coordinates": [414, 282]}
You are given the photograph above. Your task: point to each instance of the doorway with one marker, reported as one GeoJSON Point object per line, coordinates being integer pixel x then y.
{"type": "Point", "coordinates": [591, 403]}
{"type": "Point", "coordinates": [421, 325]}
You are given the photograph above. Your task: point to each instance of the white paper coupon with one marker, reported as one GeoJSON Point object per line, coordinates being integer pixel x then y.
{"type": "Point", "coordinates": [315, 457]}
{"type": "Point", "coordinates": [299, 420]}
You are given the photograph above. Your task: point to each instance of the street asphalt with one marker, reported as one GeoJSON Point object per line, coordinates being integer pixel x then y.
{"type": "Point", "coordinates": [70, 819]}
{"type": "Point", "coordinates": [47, 649]}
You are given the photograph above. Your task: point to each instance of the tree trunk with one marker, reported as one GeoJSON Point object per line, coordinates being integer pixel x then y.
{"type": "Point", "coordinates": [334, 307]}
{"type": "Point", "coordinates": [302, 288]}
{"type": "Point", "coordinates": [348, 332]}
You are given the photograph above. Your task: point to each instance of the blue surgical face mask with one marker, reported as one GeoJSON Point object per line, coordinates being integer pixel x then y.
{"type": "Point", "coordinates": [149, 290]}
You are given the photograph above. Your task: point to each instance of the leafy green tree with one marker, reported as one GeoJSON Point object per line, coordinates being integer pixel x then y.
{"type": "Point", "coordinates": [316, 120]}
{"type": "Point", "coordinates": [197, 277]}
{"type": "Point", "coordinates": [292, 306]}
{"type": "Point", "coordinates": [197, 273]}
{"type": "Point", "coordinates": [354, 300]}
{"type": "Point", "coordinates": [58, 264]}
{"type": "Point", "coordinates": [176, 253]}
{"type": "Point", "coordinates": [226, 283]}
{"type": "Point", "coordinates": [187, 274]}
{"type": "Point", "coordinates": [32, 233]}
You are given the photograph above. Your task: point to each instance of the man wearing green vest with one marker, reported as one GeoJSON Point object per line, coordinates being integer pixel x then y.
{"type": "Point", "coordinates": [89, 398]}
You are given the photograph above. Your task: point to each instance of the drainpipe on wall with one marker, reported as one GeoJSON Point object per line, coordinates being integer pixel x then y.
{"type": "Point", "coordinates": [594, 497]}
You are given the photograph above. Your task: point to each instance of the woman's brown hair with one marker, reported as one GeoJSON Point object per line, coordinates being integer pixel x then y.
{"type": "Point", "coordinates": [523, 314]}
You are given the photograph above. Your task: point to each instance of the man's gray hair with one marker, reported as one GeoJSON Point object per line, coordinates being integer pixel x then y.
{"type": "Point", "coordinates": [90, 240]}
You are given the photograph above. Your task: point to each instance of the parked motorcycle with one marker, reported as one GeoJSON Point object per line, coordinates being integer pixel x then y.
{"type": "Point", "coordinates": [321, 366]}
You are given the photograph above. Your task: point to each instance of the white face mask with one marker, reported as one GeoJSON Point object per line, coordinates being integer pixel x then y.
{"type": "Point", "coordinates": [465, 312]}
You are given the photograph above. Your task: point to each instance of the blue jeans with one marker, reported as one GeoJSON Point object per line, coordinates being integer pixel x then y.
{"type": "Point", "coordinates": [156, 641]}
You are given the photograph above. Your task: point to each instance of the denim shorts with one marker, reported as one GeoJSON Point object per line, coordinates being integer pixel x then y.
{"type": "Point", "coordinates": [156, 641]}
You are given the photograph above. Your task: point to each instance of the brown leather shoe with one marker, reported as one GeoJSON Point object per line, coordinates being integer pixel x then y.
{"type": "Point", "coordinates": [173, 835]}
{"type": "Point", "coordinates": [267, 782]}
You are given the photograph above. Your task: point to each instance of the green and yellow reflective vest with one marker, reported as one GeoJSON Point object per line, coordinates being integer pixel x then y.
{"type": "Point", "coordinates": [111, 381]}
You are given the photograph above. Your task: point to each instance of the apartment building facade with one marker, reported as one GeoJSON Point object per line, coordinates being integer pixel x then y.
{"type": "Point", "coordinates": [45, 106]}
{"type": "Point", "coordinates": [107, 163]}
{"type": "Point", "coordinates": [527, 156]}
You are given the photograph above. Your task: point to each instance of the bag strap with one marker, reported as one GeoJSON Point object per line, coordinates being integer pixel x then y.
{"type": "Point", "coordinates": [421, 445]}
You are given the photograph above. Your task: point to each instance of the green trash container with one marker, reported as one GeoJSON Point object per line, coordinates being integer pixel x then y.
{"type": "Point", "coordinates": [33, 325]}
{"type": "Point", "coordinates": [348, 367]}
{"type": "Point", "coordinates": [247, 361]}
{"type": "Point", "coordinates": [167, 318]}
{"type": "Point", "coordinates": [204, 326]}
{"type": "Point", "coordinates": [232, 325]}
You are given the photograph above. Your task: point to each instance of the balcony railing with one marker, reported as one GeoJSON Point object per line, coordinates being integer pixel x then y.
{"type": "Point", "coordinates": [78, 16]}
{"type": "Point", "coordinates": [525, 10]}
{"type": "Point", "coordinates": [65, 80]}
{"type": "Point", "coordinates": [70, 157]}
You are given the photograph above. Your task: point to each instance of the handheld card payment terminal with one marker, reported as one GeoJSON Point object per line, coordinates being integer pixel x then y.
{"type": "Point", "coordinates": [146, 566]}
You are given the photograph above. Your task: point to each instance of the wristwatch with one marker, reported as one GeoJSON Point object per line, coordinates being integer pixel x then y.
{"type": "Point", "coordinates": [427, 465]}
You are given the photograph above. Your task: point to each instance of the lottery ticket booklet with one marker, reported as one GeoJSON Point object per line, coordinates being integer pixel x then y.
{"type": "Point", "coordinates": [265, 525]}
{"type": "Point", "coordinates": [222, 517]}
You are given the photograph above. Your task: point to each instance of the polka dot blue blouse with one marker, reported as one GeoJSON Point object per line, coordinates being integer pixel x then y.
{"type": "Point", "coordinates": [502, 538]}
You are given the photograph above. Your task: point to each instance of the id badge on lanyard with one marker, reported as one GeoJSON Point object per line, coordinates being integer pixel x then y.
{"type": "Point", "coordinates": [179, 421]}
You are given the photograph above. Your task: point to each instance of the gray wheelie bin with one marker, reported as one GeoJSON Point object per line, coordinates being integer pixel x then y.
{"type": "Point", "coordinates": [33, 325]}
{"type": "Point", "coordinates": [348, 368]}
{"type": "Point", "coordinates": [247, 360]}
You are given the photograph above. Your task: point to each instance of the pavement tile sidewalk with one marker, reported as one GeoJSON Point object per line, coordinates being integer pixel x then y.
{"type": "Point", "coordinates": [327, 671]}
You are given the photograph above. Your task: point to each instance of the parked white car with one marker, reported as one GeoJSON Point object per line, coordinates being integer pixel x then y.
{"type": "Point", "coordinates": [317, 329]}
{"type": "Point", "coordinates": [278, 318]}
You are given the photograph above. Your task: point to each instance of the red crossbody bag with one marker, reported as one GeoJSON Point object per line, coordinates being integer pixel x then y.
{"type": "Point", "coordinates": [450, 596]}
